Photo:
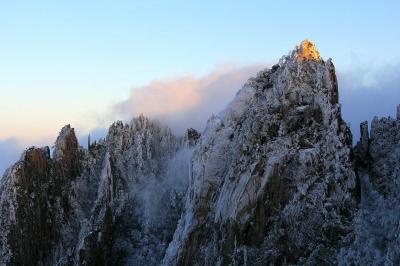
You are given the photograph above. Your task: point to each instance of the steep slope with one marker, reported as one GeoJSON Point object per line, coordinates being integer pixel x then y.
{"type": "Point", "coordinates": [271, 181]}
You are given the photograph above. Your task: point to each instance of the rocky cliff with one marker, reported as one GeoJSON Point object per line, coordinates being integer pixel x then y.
{"type": "Point", "coordinates": [34, 202]}
{"type": "Point", "coordinates": [273, 180]}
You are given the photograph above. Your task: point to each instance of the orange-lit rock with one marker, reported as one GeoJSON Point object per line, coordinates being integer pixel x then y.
{"type": "Point", "coordinates": [307, 51]}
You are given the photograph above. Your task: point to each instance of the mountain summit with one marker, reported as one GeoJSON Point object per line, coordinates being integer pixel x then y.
{"type": "Point", "coordinates": [271, 181]}
{"type": "Point", "coordinates": [274, 180]}
{"type": "Point", "coordinates": [307, 51]}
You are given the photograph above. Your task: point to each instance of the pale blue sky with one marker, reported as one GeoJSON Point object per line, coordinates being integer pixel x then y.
{"type": "Point", "coordinates": [68, 61]}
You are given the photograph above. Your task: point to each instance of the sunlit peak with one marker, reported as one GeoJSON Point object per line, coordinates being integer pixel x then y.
{"type": "Point", "coordinates": [307, 51]}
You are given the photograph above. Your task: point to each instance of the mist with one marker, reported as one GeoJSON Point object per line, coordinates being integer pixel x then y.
{"type": "Point", "coordinates": [155, 193]}
{"type": "Point", "coordinates": [186, 101]}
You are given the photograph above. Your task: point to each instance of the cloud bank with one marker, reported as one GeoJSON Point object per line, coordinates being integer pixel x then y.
{"type": "Point", "coordinates": [367, 92]}
{"type": "Point", "coordinates": [186, 101]}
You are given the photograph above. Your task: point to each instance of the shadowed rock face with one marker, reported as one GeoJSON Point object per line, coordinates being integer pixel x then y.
{"type": "Point", "coordinates": [192, 137]}
{"type": "Point", "coordinates": [66, 151]}
{"type": "Point", "coordinates": [35, 202]}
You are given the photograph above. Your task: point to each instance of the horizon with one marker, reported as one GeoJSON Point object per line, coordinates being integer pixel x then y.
{"type": "Point", "coordinates": [88, 64]}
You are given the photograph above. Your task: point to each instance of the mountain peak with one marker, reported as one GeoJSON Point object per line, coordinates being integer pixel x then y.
{"type": "Point", "coordinates": [307, 51]}
{"type": "Point", "coordinates": [66, 142]}
{"type": "Point", "coordinates": [66, 149]}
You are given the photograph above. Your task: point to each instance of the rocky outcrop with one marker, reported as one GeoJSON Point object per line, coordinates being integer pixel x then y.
{"type": "Point", "coordinates": [271, 181]}
{"type": "Point", "coordinates": [378, 154]}
{"type": "Point", "coordinates": [375, 240]}
{"type": "Point", "coordinates": [34, 201]}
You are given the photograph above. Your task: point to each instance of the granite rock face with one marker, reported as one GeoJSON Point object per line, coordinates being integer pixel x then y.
{"type": "Point", "coordinates": [273, 180]}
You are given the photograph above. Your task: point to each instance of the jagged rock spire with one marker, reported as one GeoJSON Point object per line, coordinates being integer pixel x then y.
{"type": "Point", "coordinates": [66, 150]}
{"type": "Point", "coordinates": [66, 144]}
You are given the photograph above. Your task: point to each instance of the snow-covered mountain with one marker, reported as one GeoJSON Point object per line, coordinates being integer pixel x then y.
{"type": "Point", "coordinates": [271, 181]}
{"type": "Point", "coordinates": [274, 180]}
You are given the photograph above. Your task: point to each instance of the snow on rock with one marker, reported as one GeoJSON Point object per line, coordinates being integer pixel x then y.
{"type": "Point", "coordinates": [376, 237]}
{"type": "Point", "coordinates": [116, 203]}
{"type": "Point", "coordinates": [271, 181]}
{"type": "Point", "coordinates": [142, 182]}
